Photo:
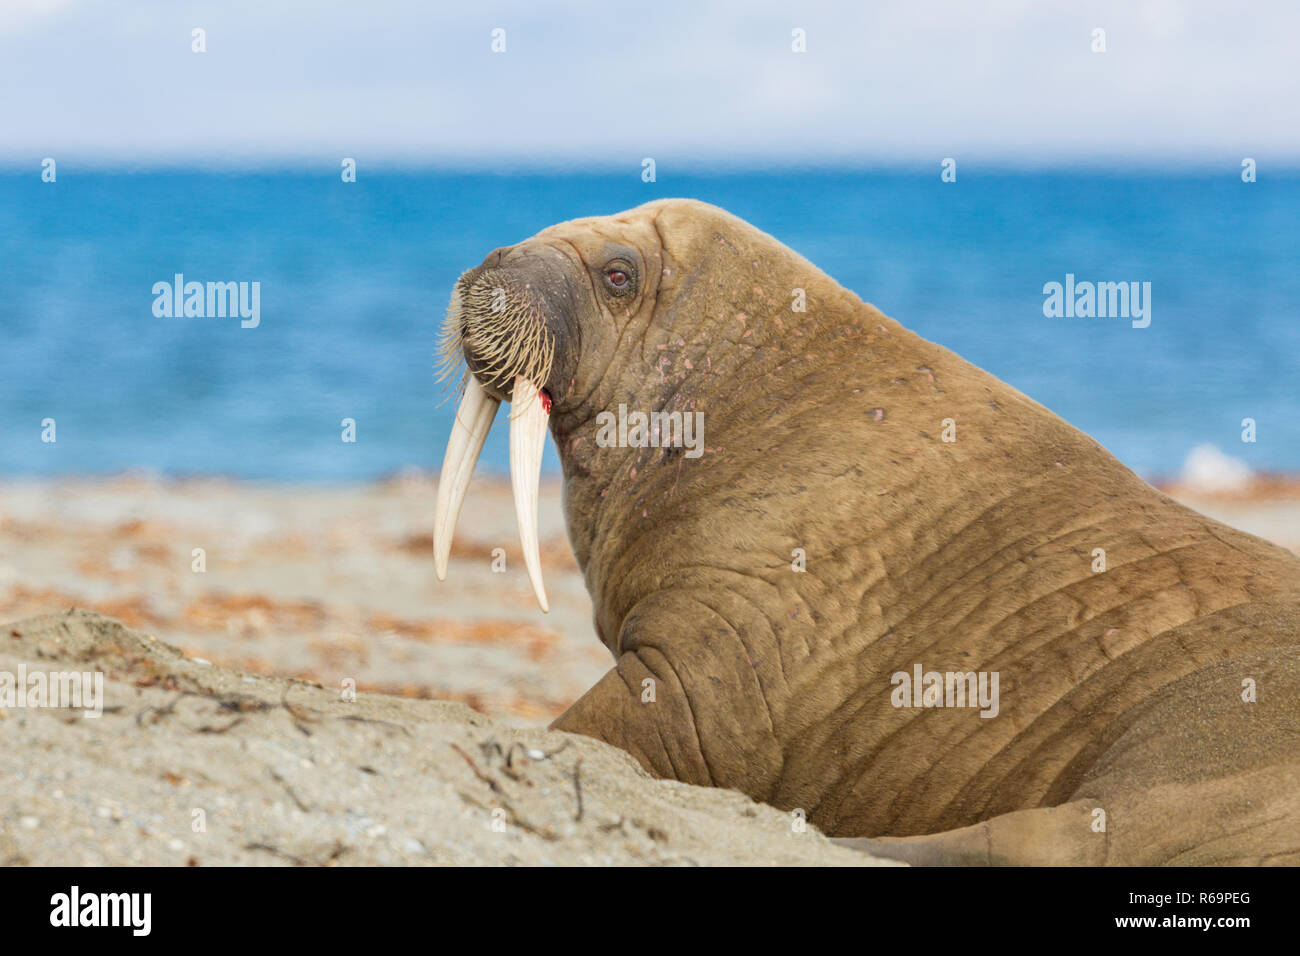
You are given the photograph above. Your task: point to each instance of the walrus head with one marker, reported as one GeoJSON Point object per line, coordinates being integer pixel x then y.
{"type": "Point", "coordinates": [535, 324]}
{"type": "Point", "coordinates": [674, 308]}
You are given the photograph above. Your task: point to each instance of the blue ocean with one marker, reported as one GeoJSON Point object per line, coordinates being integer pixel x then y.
{"type": "Point", "coordinates": [355, 277]}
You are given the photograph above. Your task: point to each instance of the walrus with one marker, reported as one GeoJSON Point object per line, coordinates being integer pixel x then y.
{"type": "Point", "coordinates": [877, 535]}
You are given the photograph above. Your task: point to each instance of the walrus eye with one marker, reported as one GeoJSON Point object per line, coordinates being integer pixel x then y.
{"type": "Point", "coordinates": [620, 277]}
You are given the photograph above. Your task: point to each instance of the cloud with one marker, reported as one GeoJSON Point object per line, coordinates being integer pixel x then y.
{"type": "Point", "coordinates": [25, 15]}
{"type": "Point", "coordinates": [903, 80]}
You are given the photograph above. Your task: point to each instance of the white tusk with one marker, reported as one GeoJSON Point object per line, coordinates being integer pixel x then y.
{"type": "Point", "coordinates": [528, 420]}
{"type": "Point", "coordinates": [468, 432]}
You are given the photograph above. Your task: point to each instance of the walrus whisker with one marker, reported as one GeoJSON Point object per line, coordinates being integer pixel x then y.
{"type": "Point", "coordinates": [451, 355]}
{"type": "Point", "coordinates": [506, 338]}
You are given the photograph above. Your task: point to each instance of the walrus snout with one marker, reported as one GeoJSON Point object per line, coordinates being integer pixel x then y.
{"type": "Point", "coordinates": [513, 316]}
{"type": "Point", "coordinates": [514, 319]}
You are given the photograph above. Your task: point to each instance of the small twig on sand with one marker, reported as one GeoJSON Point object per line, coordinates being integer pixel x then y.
{"type": "Point", "coordinates": [374, 720]}
{"type": "Point", "coordinates": [546, 833]}
{"type": "Point", "coordinates": [577, 789]}
{"type": "Point", "coordinates": [160, 712]}
{"type": "Point", "coordinates": [548, 754]}
{"type": "Point", "coordinates": [496, 787]}
{"type": "Point", "coordinates": [301, 716]}
{"type": "Point", "coordinates": [289, 790]}
{"type": "Point", "coordinates": [267, 848]}
{"type": "Point", "coordinates": [210, 729]}
{"type": "Point", "coordinates": [337, 851]}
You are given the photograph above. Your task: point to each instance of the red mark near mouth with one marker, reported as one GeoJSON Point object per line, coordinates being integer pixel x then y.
{"type": "Point", "coordinates": [545, 396]}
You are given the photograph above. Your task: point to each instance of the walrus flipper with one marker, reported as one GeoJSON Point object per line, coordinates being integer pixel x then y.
{"type": "Point", "coordinates": [1207, 773]}
{"type": "Point", "coordinates": [624, 709]}
{"type": "Point", "coordinates": [688, 708]}
{"type": "Point", "coordinates": [1052, 836]}
{"type": "Point", "coordinates": [1206, 823]}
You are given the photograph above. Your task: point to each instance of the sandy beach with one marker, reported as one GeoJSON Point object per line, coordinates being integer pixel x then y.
{"type": "Point", "coordinates": [323, 584]}
{"type": "Point", "coordinates": [331, 583]}
{"type": "Point", "coordinates": [191, 764]}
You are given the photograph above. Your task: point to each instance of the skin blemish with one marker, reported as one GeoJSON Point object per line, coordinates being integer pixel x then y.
{"type": "Point", "coordinates": [877, 414]}
{"type": "Point", "coordinates": [929, 373]}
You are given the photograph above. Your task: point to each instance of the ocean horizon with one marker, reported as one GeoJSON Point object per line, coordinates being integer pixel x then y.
{"type": "Point", "coordinates": [353, 279]}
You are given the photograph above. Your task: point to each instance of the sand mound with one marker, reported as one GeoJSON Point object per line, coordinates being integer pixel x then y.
{"type": "Point", "coordinates": [195, 764]}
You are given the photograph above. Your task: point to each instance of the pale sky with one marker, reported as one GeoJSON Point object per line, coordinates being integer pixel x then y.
{"type": "Point", "coordinates": [590, 82]}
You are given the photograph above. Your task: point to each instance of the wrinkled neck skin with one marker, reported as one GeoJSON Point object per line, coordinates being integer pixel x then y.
{"type": "Point", "coordinates": [825, 435]}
